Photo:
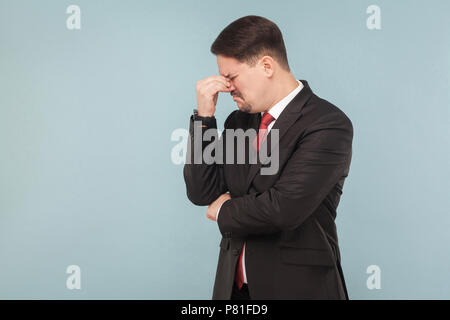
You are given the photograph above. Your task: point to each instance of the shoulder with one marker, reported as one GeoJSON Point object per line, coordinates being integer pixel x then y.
{"type": "Point", "coordinates": [320, 111]}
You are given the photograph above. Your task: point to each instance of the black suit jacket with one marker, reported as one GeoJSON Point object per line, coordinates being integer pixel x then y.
{"type": "Point", "coordinates": [286, 219]}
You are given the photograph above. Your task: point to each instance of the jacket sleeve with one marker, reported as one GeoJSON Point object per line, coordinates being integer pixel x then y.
{"type": "Point", "coordinates": [205, 182]}
{"type": "Point", "coordinates": [321, 157]}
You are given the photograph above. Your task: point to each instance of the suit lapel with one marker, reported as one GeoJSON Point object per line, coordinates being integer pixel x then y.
{"type": "Point", "coordinates": [286, 119]}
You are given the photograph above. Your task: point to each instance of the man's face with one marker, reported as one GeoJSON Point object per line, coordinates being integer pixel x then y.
{"type": "Point", "coordinates": [247, 83]}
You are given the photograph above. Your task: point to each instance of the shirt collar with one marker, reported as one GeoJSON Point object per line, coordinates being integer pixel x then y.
{"type": "Point", "coordinates": [276, 110]}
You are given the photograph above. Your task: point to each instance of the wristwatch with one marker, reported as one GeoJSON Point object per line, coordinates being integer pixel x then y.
{"type": "Point", "coordinates": [197, 117]}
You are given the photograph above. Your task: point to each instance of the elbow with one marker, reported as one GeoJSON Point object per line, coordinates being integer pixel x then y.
{"type": "Point", "coordinates": [196, 195]}
{"type": "Point", "coordinates": [200, 191]}
{"type": "Point", "coordinates": [197, 200]}
{"type": "Point", "coordinates": [194, 192]}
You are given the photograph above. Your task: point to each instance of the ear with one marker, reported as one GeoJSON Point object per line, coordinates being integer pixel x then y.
{"type": "Point", "coordinates": [267, 64]}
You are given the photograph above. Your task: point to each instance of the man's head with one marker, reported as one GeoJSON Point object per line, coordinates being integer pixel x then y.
{"type": "Point", "coordinates": [251, 54]}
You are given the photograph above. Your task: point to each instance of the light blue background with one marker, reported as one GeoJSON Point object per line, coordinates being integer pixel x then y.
{"type": "Point", "coordinates": [86, 117]}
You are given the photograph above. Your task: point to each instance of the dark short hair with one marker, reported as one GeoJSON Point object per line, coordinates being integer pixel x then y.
{"type": "Point", "coordinates": [249, 38]}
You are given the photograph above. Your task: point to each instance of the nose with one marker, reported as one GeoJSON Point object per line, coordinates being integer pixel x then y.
{"type": "Point", "coordinates": [231, 87]}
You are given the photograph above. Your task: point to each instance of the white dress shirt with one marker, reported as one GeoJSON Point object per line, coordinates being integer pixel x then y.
{"type": "Point", "coordinates": [275, 111]}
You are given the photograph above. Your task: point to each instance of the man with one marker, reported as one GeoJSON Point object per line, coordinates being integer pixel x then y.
{"type": "Point", "coordinates": [279, 239]}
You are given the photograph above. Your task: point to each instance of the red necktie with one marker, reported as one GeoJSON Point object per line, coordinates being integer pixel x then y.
{"type": "Point", "coordinates": [265, 121]}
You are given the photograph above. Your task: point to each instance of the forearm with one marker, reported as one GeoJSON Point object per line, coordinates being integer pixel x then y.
{"type": "Point", "coordinates": [234, 220]}
{"type": "Point", "coordinates": [268, 212]}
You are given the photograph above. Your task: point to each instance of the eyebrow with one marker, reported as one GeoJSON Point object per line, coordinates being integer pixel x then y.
{"type": "Point", "coordinates": [228, 76]}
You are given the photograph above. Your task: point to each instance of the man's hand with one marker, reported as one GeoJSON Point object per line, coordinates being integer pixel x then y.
{"type": "Point", "coordinates": [207, 92]}
{"type": "Point", "coordinates": [211, 213]}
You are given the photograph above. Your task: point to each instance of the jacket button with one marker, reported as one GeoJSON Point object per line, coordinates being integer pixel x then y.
{"type": "Point", "coordinates": [235, 252]}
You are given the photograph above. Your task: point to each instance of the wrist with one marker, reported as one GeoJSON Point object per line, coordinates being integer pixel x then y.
{"type": "Point", "coordinates": [204, 113]}
{"type": "Point", "coordinates": [201, 114]}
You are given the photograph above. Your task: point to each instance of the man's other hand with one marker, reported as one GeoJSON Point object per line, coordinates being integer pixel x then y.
{"type": "Point", "coordinates": [213, 208]}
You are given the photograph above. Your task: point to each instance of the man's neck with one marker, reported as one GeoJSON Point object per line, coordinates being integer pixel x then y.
{"type": "Point", "coordinates": [283, 88]}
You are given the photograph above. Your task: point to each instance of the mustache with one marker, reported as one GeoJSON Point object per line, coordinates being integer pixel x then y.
{"type": "Point", "coordinates": [235, 94]}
